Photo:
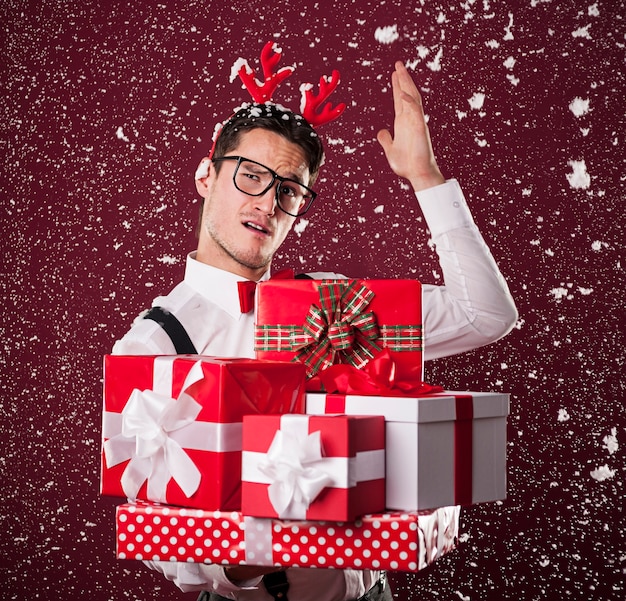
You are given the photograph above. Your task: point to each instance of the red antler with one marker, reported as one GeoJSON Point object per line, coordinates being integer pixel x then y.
{"type": "Point", "coordinates": [310, 103]}
{"type": "Point", "coordinates": [262, 91]}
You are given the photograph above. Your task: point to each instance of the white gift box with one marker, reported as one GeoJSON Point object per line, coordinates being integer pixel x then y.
{"type": "Point", "coordinates": [442, 449]}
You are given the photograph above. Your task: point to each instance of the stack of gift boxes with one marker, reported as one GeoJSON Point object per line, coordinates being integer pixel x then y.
{"type": "Point", "coordinates": [327, 450]}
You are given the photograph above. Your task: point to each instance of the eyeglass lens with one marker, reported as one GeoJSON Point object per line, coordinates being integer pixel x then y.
{"type": "Point", "coordinates": [252, 178]}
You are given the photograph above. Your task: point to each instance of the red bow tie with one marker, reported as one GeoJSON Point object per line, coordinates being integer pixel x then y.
{"type": "Point", "coordinates": [248, 288]}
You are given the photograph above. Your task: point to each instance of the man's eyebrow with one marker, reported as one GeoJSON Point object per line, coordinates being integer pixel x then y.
{"type": "Point", "coordinates": [290, 176]}
{"type": "Point", "coordinates": [257, 167]}
{"type": "Point", "coordinates": [293, 177]}
{"type": "Point", "coordinates": [260, 168]}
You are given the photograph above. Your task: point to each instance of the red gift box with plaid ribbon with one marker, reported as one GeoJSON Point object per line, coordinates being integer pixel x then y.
{"type": "Point", "coordinates": [172, 425]}
{"type": "Point", "coordinates": [326, 322]}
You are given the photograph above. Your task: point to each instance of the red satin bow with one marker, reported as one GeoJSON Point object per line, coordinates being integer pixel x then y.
{"type": "Point", "coordinates": [378, 377]}
{"type": "Point", "coordinates": [247, 289]}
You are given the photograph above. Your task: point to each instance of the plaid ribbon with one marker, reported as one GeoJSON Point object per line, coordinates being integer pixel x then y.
{"type": "Point", "coordinates": [339, 330]}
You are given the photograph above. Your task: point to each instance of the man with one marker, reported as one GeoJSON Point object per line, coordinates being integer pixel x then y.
{"type": "Point", "coordinates": [258, 180]}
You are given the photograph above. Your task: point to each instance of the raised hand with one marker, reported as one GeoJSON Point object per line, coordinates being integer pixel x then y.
{"type": "Point", "coordinates": [409, 151]}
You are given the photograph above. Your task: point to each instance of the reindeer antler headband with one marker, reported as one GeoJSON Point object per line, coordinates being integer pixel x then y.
{"type": "Point", "coordinates": [312, 106]}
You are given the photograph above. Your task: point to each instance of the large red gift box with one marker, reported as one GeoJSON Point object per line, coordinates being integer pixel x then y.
{"type": "Point", "coordinates": [172, 425]}
{"type": "Point", "coordinates": [447, 448]}
{"type": "Point", "coordinates": [386, 541]}
{"type": "Point", "coordinates": [326, 322]}
{"type": "Point", "coordinates": [313, 467]}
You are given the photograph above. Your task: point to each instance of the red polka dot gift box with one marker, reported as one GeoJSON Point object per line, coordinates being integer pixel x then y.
{"type": "Point", "coordinates": [313, 467]}
{"type": "Point", "coordinates": [172, 425]}
{"type": "Point", "coordinates": [387, 541]}
{"type": "Point", "coordinates": [445, 448]}
{"type": "Point", "coordinates": [327, 322]}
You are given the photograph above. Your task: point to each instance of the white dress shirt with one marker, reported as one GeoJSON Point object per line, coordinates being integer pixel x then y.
{"type": "Point", "coordinates": [472, 308]}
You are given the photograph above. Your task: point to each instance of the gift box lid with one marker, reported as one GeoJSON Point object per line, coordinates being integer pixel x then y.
{"type": "Point", "coordinates": [274, 292]}
{"type": "Point", "coordinates": [435, 407]}
{"type": "Point", "coordinates": [253, 383]}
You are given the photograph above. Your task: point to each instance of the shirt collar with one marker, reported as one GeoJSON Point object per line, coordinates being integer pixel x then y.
{"type": "Point", "coordinates": [216, 285]}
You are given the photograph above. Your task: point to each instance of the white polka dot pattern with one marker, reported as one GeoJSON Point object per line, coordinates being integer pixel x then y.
{"type": "Point", "coordinates": [391, 541]}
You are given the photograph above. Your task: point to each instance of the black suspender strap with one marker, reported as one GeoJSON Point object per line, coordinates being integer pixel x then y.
{"type": "Point", "coordinates": [177, 333]}
{"type": "Point", "coordinates": [277, 585]}
{"type": "Point", "coordinates": [174, 329]}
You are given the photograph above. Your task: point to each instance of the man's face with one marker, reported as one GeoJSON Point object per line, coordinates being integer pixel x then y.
{"type": "Point", "coordinates": [240, 233]}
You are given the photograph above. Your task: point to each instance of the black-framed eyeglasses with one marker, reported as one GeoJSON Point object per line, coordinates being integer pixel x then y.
{"type": "Point", "coordinates": [255, 179]}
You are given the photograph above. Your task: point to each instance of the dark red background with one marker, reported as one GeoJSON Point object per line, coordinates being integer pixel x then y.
{"type": "Point", "coordinates": [108, 107]}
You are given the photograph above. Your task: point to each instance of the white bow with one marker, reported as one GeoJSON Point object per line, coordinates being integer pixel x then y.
{"type": "Point", "coordinates": [295, 466]}
{"type": "Point", "coordinates": [147, 421]}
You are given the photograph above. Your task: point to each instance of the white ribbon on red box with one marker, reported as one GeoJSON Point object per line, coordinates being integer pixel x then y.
{"type": "Point", "coordinates": [436, 534]}
{"type": "Point", "coordinates": [152, 430]}
{"type": "Point", "coordinates": [297, 472]}
{"type": "Point", "coordinates": [258, 541]}
{"type": "Point", "coordinates": [296, 468]}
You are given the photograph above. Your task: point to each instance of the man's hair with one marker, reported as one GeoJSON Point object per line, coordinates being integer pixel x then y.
{"type": "Point", "coordinates": [277, 119]}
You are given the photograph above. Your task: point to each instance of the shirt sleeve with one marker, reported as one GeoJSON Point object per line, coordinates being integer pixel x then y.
{"type": "Point", "coordinates": [189, 577]}
{"type": "Point", "coordinates": [474, 306]}
{"type": "Point", "coordinates": [146, 337]}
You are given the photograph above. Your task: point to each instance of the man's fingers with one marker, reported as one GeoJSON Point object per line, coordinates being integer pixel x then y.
{"type": "Point", "coordinates": [384, 138]}
{"type": "Point", "coordinates": [405, 80]}
{"type": "Point", "coordinates": [397, 93]}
